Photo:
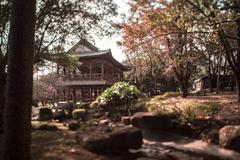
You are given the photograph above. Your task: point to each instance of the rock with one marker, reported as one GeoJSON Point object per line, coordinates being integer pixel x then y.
{"type": "Point", "coordinates": [126, 120]}
{"type": "Point", "coordinates": [104, 122]}
{"type": "Point", "coordinates": [151, 121]}
{"type": "Point", "coordinates": [73, 125]}
{"type": "Point", "coordinates": [47, 127]}
{"type": "Point", "coordinates": [102, 140]}
{"type": "Point", "coordinates": [229, 137]}
{"type": "Point", "coordinates": [60, 115]}
{"type": "Point", "coordinates": [94, 104]}
{"type": "Point", "coordinates": [98, 115]}
{"type": "Point", "coordinates": [211, 136]}
{"type": "Point", "coordinates": [45, 114]}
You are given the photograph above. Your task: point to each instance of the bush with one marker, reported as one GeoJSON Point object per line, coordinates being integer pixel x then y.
{"type": "Point", "coordinates": [196, 109]}
{"type": "Point", "coordinates": [59, 114]}
{"type": "Point", "coordinates": [45, 114]}
{"type": "Point", "coordinates": [46, 127]}
{"type": "Point", "coordinates": [78, 113]}
{"type": "Point", "coordinates": [69, 106]}
{"type": "Point", "coordinates": [119, 94]}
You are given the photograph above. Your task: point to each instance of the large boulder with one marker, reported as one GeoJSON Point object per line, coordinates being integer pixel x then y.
{"type": "Point", "coordinates": [229, 137]}
{"type": "Point", "coordinates": [106, 140]}
{"type": "Point", "coordinates": [59, 115]}
{"type": "Point", "coordinates": [73, 125]}
{"type": "Point", "coordinates": [45, 114]}
{"type": "Point", "coordinates": [151, 121]}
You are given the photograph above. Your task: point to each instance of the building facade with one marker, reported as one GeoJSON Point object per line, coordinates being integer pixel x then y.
{"type": "Point", "coordinates": [97, 70]}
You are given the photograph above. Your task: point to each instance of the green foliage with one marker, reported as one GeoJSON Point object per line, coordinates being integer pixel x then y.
{"type": "Point", "coordinates": [69, 106]}
{"type": "Point", "coordinates": [78, 113]}
{"type": "Point", "coordinates": [47, 127]}
{"type": "Point", "coordinates": [120, 93]}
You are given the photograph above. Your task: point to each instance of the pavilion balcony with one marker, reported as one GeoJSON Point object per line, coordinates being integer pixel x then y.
{"type": "Point", "coordinates": [80, 77]}
{"type": "Point", "coordinates": [87, 79]}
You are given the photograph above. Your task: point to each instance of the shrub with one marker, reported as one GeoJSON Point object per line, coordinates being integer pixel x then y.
{"type": "Point", "coordinates": [119, 94]}
{"type": "Point", "coordinates": [59, 114]}
{"type": "Point", "coordinates": [78, 113]}
{"type": "Point", "coordinates": [46, 127]}
{"type": "Point", "coordinates": [69, 106]}
{"type": "Point", "coordinates": [196, 109]}
{"type": "Point", "coordinates": [45, 114]}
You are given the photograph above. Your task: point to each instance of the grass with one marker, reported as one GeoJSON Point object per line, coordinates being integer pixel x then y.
{"type": "Point", "coordinates": [52, 145]}
{"type": "Point", "coordinates": [58, 145]}
{"type": "Point", "coordinates": [172, 103]}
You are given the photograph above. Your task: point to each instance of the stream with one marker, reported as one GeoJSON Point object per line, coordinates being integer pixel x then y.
{"type": "Point", "coordinates": [168, 146]}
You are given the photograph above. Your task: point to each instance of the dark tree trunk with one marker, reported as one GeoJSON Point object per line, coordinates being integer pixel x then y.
{"type": "Point", "coordinates": [218, 76]}
{"type": "Point", "coordinates": [184, 88]}
{"type": "Point", "coordinates": [238, 87]}
{"type": "Point", "coordinates": [3, 77]}
{"type": "Point", "coordinates": [233, 61]}
{"type": "Point", "coordinates": [19, 81]}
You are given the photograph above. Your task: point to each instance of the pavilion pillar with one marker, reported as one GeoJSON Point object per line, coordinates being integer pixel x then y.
{"type": "Point", "coordinates": [119, 76]}
{"type": "Point", "coordinates": [74, 95]}
{"type": "Point", "coordinates": [64, 95]}
{"type": "Point", "coordinates": [57, 99]}
{"type": "Point", "coordinates": [68, 94]}
{"type": "Point", "coordinates": [102, 71]}
{"type": "Point", "coordinates": [90, 92]}
{"type": "Point", "coordinates": [81, 94]}
{"type": "Point", "coordinates": [90, 68]}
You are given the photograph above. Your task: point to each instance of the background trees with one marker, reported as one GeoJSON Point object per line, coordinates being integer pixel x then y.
{"type": "Point", "coordinates": [168, 39]}
{"type": "Point", "coordinates": [188, 37]}
{"type": "Point", "coordinates": [222, 18]}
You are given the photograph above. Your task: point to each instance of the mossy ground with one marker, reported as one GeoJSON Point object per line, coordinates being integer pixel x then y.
{"type": "Point", "coordinates": [57, 145]}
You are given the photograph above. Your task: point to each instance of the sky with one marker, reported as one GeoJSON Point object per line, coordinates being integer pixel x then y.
{"type": "Point", "coordinates": [111, 42]}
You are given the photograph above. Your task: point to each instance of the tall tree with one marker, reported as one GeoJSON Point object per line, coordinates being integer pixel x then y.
{"type": "Point", "coordinates": [19, 81]}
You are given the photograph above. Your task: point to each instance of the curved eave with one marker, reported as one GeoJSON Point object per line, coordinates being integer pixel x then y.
{"type": "Point", "coordinates": [104, 54]}
{"type": "Point", "coordinates": [120, 65]}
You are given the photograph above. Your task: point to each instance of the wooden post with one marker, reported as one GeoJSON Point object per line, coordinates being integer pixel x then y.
{"type": "Point", "coordinates": [102, 71]}
{"type": "Point", "coordinates": [90, 68]}
{"type": "Point", "coordinates": [68, 94]}
{"type": "Point", "coordinates": [57, 69]}
{"type": "Point", "coordinates": [119, 76]}
{"type": "Point", "coordinates": [74, 95]}
{"type": "Point", "coordinates": [81, 92]}
{"type": "Point", "coordinates": [64, 95]}
{"type": "Point", "coordinates": [90, 91]}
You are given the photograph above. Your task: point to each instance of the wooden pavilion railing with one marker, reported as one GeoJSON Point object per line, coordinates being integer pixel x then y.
{"type": "Point", "coordinates": [95, 76]}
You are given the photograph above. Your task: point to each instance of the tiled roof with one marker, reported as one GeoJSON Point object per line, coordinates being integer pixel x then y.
{"type": "Point", "coordinates": [93, 53]}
